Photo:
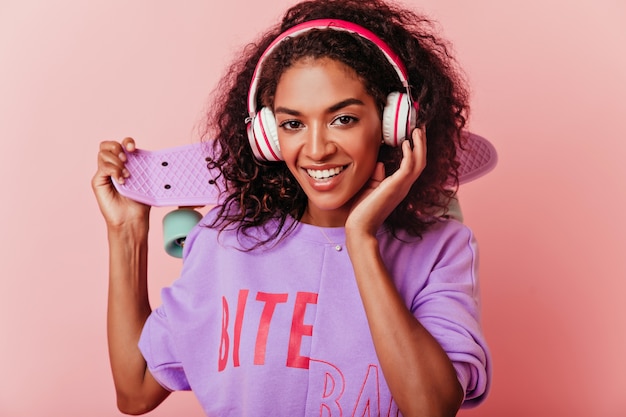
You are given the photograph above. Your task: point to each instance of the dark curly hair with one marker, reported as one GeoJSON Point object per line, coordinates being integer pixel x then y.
{"type": "Point", "coordinates": [255, 191]}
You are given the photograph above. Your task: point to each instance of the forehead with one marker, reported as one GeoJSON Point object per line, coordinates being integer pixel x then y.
{"type": "Point", "coordinates": [319, 80]}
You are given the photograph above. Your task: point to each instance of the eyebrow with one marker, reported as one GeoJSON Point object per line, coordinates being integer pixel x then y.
{"type": "Point", "coordinates": [335, 107]}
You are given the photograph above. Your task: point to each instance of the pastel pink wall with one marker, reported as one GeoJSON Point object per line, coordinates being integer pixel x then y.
{"type": "Point", "coordinates": [549, 81]}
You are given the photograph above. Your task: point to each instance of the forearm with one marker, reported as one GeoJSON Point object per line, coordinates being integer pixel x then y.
{"type": "Point", "coordinates": [418, 371]}
{"type": "Point", "coordinates": [128, 309]}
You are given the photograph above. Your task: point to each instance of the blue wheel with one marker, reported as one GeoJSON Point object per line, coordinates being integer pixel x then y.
{"type": "Point", "coordinates": [454, 209]}
{"type": "Point", "coordinates": [176, 225]}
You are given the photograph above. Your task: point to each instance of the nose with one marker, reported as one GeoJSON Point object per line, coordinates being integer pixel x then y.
{"type": "Point", "coordinates": [319, 146]}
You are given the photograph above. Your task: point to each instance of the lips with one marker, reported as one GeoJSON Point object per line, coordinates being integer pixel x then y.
{"type": "Point", "coordinates": [324, 174]}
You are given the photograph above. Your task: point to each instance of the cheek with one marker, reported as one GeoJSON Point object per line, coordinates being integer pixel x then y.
{"type": "Point", "coordinates": [372, 149]}
{"type": "Point", "coordinates": [366, 160]}
{"type": "Point", "coordinates": [289, 152]}
{"type": "Point", "coordinates": [286, 149]}
{"type": "Point", "coordinates": [372, 158]}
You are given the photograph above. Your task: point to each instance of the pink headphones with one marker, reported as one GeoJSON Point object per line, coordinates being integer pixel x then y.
{"type": "Point", "coordinates": [399, 114]}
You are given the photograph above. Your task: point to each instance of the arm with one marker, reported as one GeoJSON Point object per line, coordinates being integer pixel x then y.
{"type": "Point", "coordinates": [128, 306]}
{"type": "Point", "coordinates": [420, 375]}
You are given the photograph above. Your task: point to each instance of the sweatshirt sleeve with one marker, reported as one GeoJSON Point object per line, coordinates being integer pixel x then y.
{"type": "Point", "coordinates": [449, 307]}
{"type": "Point", "coordinates": [158, 349]}
{"type": "Point", "coordinates": [159, 337]}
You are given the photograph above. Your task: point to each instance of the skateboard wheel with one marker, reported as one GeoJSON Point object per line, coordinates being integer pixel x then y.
{"type": "Point", "coordinates": [454, 210]}
{"type": "Point", "coordinates": [176, 225]}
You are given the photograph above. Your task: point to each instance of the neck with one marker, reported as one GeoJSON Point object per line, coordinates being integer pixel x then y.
{"type": "Point", "coordinates": [323, 218]}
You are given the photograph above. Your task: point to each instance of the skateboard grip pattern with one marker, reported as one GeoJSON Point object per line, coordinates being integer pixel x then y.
{"type": "Point", "coordinates": [171, 177]}
{"type": "Point", "coordinates": [476, 159]}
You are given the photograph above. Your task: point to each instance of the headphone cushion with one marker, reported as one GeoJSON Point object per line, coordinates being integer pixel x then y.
{"type": "Point", "coordinates": [398, 118]}
{"type": "Point", "coordinates": [263, 136]}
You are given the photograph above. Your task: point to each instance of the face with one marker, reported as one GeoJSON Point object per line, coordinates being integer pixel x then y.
{"type": "Point", "coordinates": [329, 131]}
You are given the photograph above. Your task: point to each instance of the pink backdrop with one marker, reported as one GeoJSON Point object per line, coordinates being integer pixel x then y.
{"type": "Point", "coordinates": [549, 81]}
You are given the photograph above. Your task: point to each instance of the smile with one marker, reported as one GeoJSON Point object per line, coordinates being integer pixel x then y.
{"type": "Point", "coordinates": [323, 174]}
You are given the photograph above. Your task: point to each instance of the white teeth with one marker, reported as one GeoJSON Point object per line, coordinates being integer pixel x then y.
{"type": "Point", "coordinates": [324, 173]}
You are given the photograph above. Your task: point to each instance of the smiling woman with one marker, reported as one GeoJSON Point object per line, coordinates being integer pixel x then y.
{"type": "Point", "coordinates": [268, 317]}
{"type": "Point", "coordinates": [552, 262]}
{"type": "Point", "coordinates": [329, 134]}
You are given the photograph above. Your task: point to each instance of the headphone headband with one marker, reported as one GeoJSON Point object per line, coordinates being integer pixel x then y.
{"type": "Point", "coordinates": [334, 24]}
{"type": "Point", "coordinates": [398, 117]}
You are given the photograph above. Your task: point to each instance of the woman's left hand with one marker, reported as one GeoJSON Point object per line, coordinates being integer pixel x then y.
{"type": "Point", "coordinates": [381, 195]}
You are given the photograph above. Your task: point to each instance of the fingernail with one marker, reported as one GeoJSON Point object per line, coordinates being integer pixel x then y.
{"type": "Point", "coordinates": [125, 173]}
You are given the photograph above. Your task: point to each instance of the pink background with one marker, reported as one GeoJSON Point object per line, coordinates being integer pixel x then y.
{"type": "Point", "coordinates": [549, 82]}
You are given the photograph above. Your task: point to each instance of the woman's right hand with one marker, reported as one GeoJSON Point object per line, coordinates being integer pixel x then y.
{"type": "Point", "coordinates": [118, 211]}
{"type": "Point", "coordinates": [128, 306]}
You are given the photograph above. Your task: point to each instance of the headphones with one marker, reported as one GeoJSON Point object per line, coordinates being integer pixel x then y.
{"type": "Point", "coordinates": [399, 115]}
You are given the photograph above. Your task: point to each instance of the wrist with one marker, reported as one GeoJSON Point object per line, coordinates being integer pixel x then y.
{"type": "Point", "coordinates": [128, 257]}
{"type": "Point", "coordinates": [128, 232]}
{"type": "Point", "coordinates": [359, 240]}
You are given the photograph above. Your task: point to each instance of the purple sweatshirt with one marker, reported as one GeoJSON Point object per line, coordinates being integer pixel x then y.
{"type": "Point", "coordinates": [281, 330]}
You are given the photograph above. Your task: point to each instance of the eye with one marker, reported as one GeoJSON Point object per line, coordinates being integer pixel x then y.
{"type": "Point", "coordinates": [291, 125]}
{"type": "Point", "coordinates": [345, 120]}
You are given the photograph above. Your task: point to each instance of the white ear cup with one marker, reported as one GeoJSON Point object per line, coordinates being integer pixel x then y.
{"type": "Point", "coordinates": [263, 136]}
{"type": "Point", "coordinates": [399, 118]}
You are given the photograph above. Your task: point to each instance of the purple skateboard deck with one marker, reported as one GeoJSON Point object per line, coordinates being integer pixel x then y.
{"type": "Point", "coordinates": [179, 176]}
{"type": "Point", "coordinates": [171, 177]}
{"type": "Point", "coordinates": [477, 158]}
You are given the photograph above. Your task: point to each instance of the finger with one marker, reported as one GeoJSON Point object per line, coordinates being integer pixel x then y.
{"type": "Point", "coordinates": [419, 137]}
{"type": "Point", "coordinates": [419, 148]}
{"type": "Point", "coordinates": [110, 146]}
{"type": "Point", "coordinates": [379, 172]}
{"type": "Point", "coordinates": [111, 161]}
{"type": "Point", "coordinates": [129, 144]}
{"type": "Point", "coordinates": [377, 176]}
{"type": "Point", "coordinates": [111, 168]}
{"type": "Point", "coordinates": [117, 148]}
{"type": "Point", "coordinates": [408, 156]}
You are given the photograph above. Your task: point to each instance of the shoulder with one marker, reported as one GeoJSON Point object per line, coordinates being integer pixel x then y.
{"type": "Point", "coordinates": [447, 245]}
{"type": "Point", "coordinates": [443, 234]}
{"type": "Point", "coordinates": [450, 235]}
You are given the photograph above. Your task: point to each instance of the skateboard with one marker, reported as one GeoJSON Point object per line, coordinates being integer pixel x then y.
{"type": "Point", "coordinates": [179, 177]}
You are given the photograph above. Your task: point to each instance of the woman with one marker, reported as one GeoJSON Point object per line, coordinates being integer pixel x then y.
{"type": "Point", "coordinates": [326, 281]}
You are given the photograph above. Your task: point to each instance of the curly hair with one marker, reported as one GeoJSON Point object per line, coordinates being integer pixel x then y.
{"type": "Point", "coordinates": [255, 191]}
